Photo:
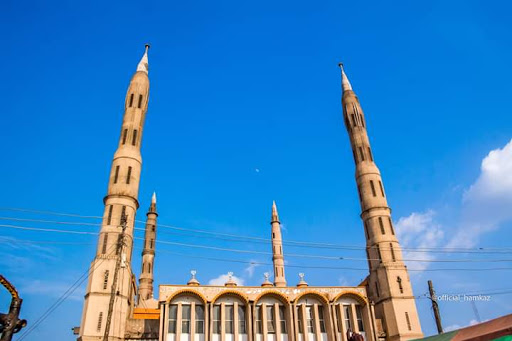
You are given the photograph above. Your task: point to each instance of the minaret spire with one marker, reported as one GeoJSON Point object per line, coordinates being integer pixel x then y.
{"type": "Point", "coordinates": [148, 255]}
{"type": "Point", "coordinates": [144, 64]}
{"type": "Point", "coordinates": [277, 249]}
{"type": "Point", "coordinates": [345, 84]}
{"type": "Point", "coordinates": [121, 204]}
{"type": "Point", "coordinates": [393, 303]}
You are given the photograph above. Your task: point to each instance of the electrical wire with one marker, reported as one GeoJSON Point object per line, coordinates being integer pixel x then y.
{"type": "Point", "coordinates": [216, 248]}
{"type": "Point", "coordinates": [63, 297]}
{"type": "Point", "coordinates": [239, 238]}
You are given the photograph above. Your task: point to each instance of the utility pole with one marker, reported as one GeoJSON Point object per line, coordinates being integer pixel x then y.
{"type": "Point", "coordinates": [113, 292]}
{"type": "Point", "coordinates": [435, 307]}
{"type": "Point", "coordinates": [10, 323]}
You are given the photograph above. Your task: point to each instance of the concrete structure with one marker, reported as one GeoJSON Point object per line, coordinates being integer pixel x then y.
{"type": "Point", "coordinates": [121, 200]}
{"type": "Point", "coordinates": [382, 306]}
{"type": "Point", "coordinates": [388, 284]}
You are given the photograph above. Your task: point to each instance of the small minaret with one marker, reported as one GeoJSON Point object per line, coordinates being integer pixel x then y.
{"type": "Point", "coordinates": [148, 254]}
{"type": "Point", "coordinates": [121, 201]}
{"type": "Point", "coordinates": [388, 283]}
{"type": "Point", "coordinates": [277, 249]}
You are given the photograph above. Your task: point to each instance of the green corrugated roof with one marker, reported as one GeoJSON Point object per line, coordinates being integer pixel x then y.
{"type": "Point", "coordinates": [441, 337]}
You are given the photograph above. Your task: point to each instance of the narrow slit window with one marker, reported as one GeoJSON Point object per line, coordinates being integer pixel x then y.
{"type": "Point", "coordinates": [109, 217]}
{"type": "Point", "coordinates": [100, 320]}
{"type": "Point", "coordinates": [377, 289]}
{"type": "Point", "coordinates": [361, 153]}
{"type": "Point", "coordinates": [408, 321]}
{"type": "Point", "coordinates": [131, 100]}
{"type": "Point", "coordinates": [381, 224]}
{"type": "Point", "coordinates": [372, 185]}
{"type": "Point", "coordinates": [134, 137]}
{"type": "Point", "coordinates": [151, 242]}
{"type": "Point", "coordinates": [370, 155]}
{"type": "Point", "coordinates": [140, 101]}
{"type": "Point", "coordinates": [125, 134]}
{"type": "Point", "coordinates": [105, 241]}
{"type": "Point", "coordinates": [391, 226]}
{"type": "Point", "coordinates": [116, 174]}
{"type": "Point", "coordinates": [392, 252]}
{"type": "Point", "coordinates": [123, 215]}
{"type": "Point", "coordinates": [379, 254]}
{"type": "Point", "coordinates": [355, 156]}
{"type": "Point", "coordinates": [105, 279]}
{"type": "Point", "coordinates": [354, 122]}
{"type": "Point", "coordinates": [129, 175]}
{"type": "Point", "coordinates": [366, 230]}
{"type": "Point", "coordinates": [381, 188]}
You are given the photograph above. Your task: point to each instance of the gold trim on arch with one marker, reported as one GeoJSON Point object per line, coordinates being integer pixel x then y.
{"type": "Point", "coordinates": [312, 293]}
{"type": "Point", "coordinates": [231, 292]}
{"type": "Point", "coordinates": [282, 297]}
{"type": "Point", "coordinates": [357, 295]}
{"type": "Point", "coordinates": [186, 291]}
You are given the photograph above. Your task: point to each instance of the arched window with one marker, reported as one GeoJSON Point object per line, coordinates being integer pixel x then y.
{"type": "Point", "coordinates": [350, 314]}
{"type": "Point", "coordinates": [190, 308]}
{"type": "Point", "coordinates": [271, 317]}
{"type": "Point", "coordinates": [312, 310]}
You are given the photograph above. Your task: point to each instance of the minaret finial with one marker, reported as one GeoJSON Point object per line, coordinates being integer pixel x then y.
{"type": "Point", "coordinates": [143, 64]}
{"type": "Point", "coordinates": [345, 84]}
{"type": "Point", "coordinates": [275, 216]}
{"type": "Point", "coordinates": [153, 198]}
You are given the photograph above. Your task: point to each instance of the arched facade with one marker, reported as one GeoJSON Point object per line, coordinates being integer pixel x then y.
{"type": "Point", "coordinates": [272, 316]}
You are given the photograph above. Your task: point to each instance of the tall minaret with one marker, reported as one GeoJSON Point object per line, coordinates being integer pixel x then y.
{"type": "Point", "coordinates": [277, 249]}
{"type": "Point", "coordinates": [388, 283]}
{"type": "Point", "coordinates": [148, 254]}
{"type": "Point", "coordinates": [121, 200]}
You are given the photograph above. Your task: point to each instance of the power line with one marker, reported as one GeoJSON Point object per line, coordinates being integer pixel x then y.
{"type": "Point", "coordinates": [216, 248]}
{"type": "Point", "coordinates": [318, 267]}
{"type": "Point", "coordinates": [242, 238]}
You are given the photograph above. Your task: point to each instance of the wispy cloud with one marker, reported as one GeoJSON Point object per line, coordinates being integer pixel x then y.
{"type": "Point", "coordinates": [419, 230]}
{"type": "Point", "coordinates": [250, 269]}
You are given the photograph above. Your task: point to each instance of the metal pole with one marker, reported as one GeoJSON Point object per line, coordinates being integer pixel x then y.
{"type": "Point", "coordinates": [113, 293]}
{"type": "Point", "coordinates": [435, 307]}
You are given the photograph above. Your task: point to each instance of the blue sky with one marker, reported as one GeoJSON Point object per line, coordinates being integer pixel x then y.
{"type": "Point", "coordinates": [238, 87]}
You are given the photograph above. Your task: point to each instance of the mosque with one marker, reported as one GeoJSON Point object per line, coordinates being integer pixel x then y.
{"type": "Point", "coordinates": [116, 307]}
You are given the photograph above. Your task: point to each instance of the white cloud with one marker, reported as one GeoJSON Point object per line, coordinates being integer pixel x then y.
{"type": "Point", "coordinates": [222, 279]}
{"type": "Point", "coordinates": [487, 203]}
{"type": "Point", "coordinates": [418, 230]}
